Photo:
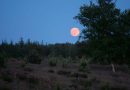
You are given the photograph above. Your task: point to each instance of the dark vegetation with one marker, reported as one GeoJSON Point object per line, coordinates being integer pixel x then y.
{"type": "Point", "coordinates": [106, 36]}
{"type": "Point", "coordinates": [85, 65]}
{"type": "Point", "coordinates": [34, 52]}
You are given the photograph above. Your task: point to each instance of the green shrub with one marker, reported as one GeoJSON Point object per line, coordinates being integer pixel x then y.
{"type": "Point", "coordinates": [80, 75]}
{"type": "Point", "coordinates": [88, 85]}
{"type": "Point", "coordinates": [2, 60]}
{"type": "Point", "coordinates": [64, 63]}
{"type": "Point", "coordinates": [34, 57]}
{"type": "Point", "coordinates": [52, 62]}
{"type": "Point", "coordinates": [62, 72]}
{"type": "Point", "coordinates": [7, 77]}
{"type": "Point", "coordinates": [5, 87]}
{"type": "Point", "coordinates": [58, 87]}
{"type": "Point", "coordinates": [83, 66]}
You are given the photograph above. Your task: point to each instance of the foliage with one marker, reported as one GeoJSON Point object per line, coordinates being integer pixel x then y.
{"type": "Point", "coordinates": [23, 49]}
{"type": "Point", "coordinates": [65, 62]}
{"type": "Point", "coordinates": [52, 61]}
{"type": "Point", "coordinates": [2, 60]}
{"type": "Point", "coordinates": [106, 34]}
{"type": "Point", "coordinates": [106, 86]}
{"type": "Point", "coordinates": [83, 65]}
{"type": "Point", "coordinates": [34, 57]}
{"type": "Point", "coordinates": [7, 77]}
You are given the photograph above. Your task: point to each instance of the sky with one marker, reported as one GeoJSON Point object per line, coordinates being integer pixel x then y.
{"type": "Point", "coordinates": [49, 21]}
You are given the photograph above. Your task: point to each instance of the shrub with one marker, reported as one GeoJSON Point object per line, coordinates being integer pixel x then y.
{"type": "Point", "coordinates": [83, 65]}
{"type": "Point", "coordinates": [62, 72]}
{"type": "Point", "coordinates": [57, 87]}
{"type": "Point", "coordinates": [88, 85]}
{"type": "Point", "coordinates": [52, 62]}
{"type": "Point", "coordinates": [2, 60]}
{"type": "Point", "coordinates": [6, 77]}
{"type": "Point", "coordinates": [64, 63]}
{"type": "Point", "coordinates": [81, 75]}
{"type": "Point", "coordinates": [5, 87]}
{"type": "Point", "coordinates": [28, 69]}
{"type": "Point", "coordinates": [33, 80]}
{"type": "Point", "coordinates": [34, 57]}
{"type": "Point", "coordinates": [22, 76]}
{"type": "Point", "coordinates": [107, 86]}
{"type": "Point", "coordinates": [74, 75]}
{"type": "Point", "coordinates": [51, 71]}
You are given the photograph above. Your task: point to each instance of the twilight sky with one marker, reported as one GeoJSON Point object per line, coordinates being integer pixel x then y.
{"type": "Point", "coordinates": [47, 20]}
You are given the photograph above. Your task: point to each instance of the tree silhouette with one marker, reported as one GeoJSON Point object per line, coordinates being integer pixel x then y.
{"type": "Point", "coordinates": [106, 32]}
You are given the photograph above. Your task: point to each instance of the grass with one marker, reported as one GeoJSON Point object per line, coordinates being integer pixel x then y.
{"type": "Point", "coordinates": [106, 86]}
{"type": "Point", "coordinates": [5, 87]}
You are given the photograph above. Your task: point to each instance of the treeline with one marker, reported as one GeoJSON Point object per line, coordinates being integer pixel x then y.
{"type": "Point", "coordinates": [22, 49]}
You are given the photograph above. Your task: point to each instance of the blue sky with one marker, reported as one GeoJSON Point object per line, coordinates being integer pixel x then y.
{"type": "Point", "coordinates": [47, 20]}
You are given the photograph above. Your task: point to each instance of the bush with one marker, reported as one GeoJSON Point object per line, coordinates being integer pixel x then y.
{"type": "Point", "coordinates": [5, 87]}
{"type": "Point", "coordinates": [6, 77]}
{"type": "Point", "coordinates": [28, 69]}
{"type": "Point", "coordinates": [52, 61]}
{"type": "Point", "coordinates": [2, 60]}
{"type": "Point", "coordinates": [33, 80]}
{"type": "Point", "coordinates": [64, 63]}
{"type": "Point", "coordinates": [88, 85]}
{"type": "Point", "coordinates": [107, 86]}
{"type": "Point", "coordinates": [80, 75]}
{"type": "Point", "coordinates": [34, 57]}
{"type": "Point", "coordinates": [62, 72]}
{"type": "Point", "coordinates": [83, 66]}
{"type": "Point", "coordinates": [22, 76]}
{"type": "Point", "coordinates": [58, 87]}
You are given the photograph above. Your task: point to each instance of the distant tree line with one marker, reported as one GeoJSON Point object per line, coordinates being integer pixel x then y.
{"type": "Point", "coordinates": [22, 49]}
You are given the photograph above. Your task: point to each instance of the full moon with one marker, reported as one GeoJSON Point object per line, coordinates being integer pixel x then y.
{"type": "Point", "coordinates": [75, 31]}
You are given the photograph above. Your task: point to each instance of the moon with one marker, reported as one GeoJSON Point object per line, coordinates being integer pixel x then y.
{"type": "Point", "coordinates": [75, 31]}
